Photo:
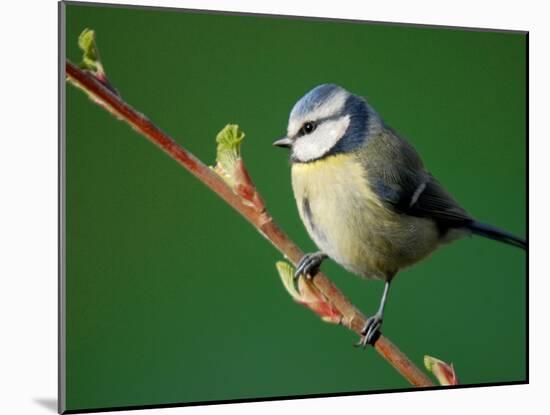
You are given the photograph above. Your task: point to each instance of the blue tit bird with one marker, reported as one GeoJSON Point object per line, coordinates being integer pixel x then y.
{"type": "Point", "coordinates": [364, 195]}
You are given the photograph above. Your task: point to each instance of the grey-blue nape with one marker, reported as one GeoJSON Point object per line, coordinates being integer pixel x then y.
{"type": "Point", "coordinates": [357, 130]}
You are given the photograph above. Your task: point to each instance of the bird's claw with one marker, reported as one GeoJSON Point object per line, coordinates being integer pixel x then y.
{"type": "Point", "coordinates": [371, 331]}
{"type": "Point", "coordinates": [309, 264]}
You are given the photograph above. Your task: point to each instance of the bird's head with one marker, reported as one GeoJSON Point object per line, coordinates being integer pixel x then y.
{"type": "Point", "coordinates": [327, 120]}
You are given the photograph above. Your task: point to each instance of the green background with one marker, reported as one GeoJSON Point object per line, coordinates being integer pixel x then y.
{"type": "Point", "coordinates": [172, 297]}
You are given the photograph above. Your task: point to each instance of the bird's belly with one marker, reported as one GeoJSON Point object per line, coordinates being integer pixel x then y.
{"type": "Point", "coordinates": [350, 224]}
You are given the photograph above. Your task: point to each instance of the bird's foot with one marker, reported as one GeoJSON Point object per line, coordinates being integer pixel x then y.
{"type": "Point", "coordinates": [309, 264]}
{"type": "Point", "coordinates": [371, 331]}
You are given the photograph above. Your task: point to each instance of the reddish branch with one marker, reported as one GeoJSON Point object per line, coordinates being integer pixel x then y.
{"type": "Point", "coordinates": [248, 203]}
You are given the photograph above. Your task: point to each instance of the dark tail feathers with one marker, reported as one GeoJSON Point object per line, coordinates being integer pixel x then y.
{"type": "Point", "coordinates": [491, 232]}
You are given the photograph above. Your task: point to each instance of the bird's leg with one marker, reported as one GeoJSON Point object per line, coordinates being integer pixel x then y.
{"type": "Point", "coordinates": [309, 264]}
{"type": "Point", "coordinates": [371, 331]}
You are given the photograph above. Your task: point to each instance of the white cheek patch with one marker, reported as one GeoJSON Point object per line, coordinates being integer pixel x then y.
{"type": "Point", "coordinates": [319, 142]}
{"type": "Point", "coordinates": [330, 107]}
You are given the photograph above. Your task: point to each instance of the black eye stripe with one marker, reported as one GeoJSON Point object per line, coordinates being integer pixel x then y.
{"type": "Point", "coordinates": [315, 124]}
{"type": "Point", "coordinates": [307, 128]}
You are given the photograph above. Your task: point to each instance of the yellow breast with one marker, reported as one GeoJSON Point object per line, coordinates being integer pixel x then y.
{"type": "Point", "coordinates": [348, 221]}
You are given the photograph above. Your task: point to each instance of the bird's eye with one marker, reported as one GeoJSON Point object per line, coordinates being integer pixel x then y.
{"type": "Point", "coordinates": [307, 128]}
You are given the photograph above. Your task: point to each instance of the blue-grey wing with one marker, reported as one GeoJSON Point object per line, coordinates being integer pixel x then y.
{"type": "Point", "coordinates": [396, 174]}
{"type": "Point", "coordinates": [426, 199]}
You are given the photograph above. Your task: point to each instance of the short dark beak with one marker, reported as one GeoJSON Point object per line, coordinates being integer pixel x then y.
{"type": "Point", "coordinates": [283, 142]}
